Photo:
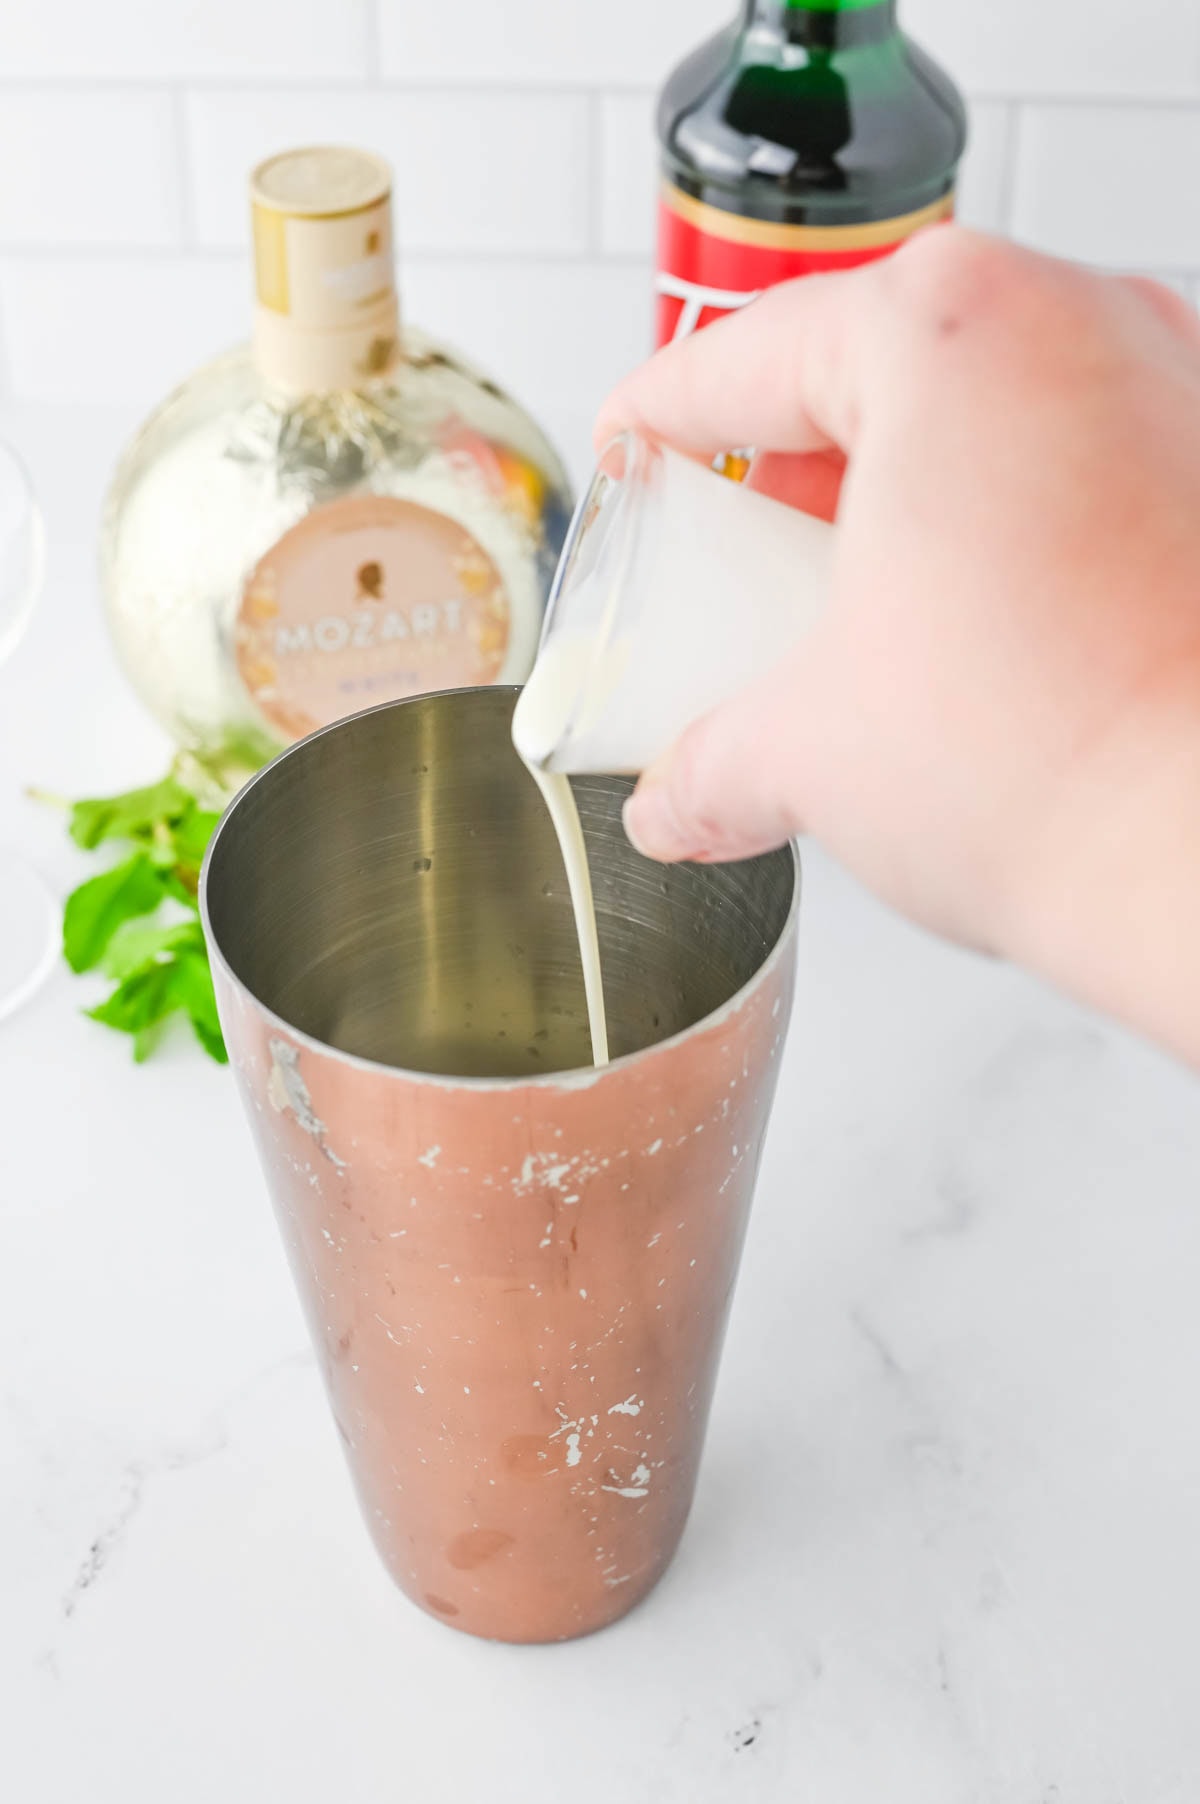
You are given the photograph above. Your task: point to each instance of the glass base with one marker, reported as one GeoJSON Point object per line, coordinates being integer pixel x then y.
{"type": "Point", "coordinates": [29, 932]}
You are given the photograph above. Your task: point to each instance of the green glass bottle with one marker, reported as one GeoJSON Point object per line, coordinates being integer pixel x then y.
{"type": "Point", "coordinates": [810, 134]}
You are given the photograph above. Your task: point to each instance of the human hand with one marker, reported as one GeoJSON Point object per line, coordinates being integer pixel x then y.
{"type": "Point", "coordinates": [997, 724]}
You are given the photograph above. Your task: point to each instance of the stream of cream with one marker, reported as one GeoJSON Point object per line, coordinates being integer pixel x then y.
{"type": "Point", "coordinates": [556, 792]}
{"type": "Point", "coordinates": [537, 725]}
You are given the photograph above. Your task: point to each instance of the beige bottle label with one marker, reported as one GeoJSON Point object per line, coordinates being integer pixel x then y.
{"type": "Point", "coordinates": [367, 600]}
{"type": "Point", "coordinates": [326, 314]}
{"type": "Point", "coordinates": [323, 273]}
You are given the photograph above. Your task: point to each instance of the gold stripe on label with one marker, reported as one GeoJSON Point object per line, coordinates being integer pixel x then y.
{"type": "Point", "coordinates": [764, 234]}
{"type": "Point", "coordinates": [270, 257]}
{"type": "Point", "coordinates": [366, 206]}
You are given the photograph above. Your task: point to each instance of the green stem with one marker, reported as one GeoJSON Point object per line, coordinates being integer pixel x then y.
{"type": "Point", "coordinates": [47, 799]}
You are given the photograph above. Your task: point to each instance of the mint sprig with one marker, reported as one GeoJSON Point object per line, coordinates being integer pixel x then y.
{"type": "Point", "coordinates": [139, 920]}
{"type": "Point", "coordinates": [95, 910]}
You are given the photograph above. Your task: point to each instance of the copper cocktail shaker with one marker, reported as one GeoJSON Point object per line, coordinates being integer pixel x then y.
{"type": "Point", "coordinates": [516, 1268]}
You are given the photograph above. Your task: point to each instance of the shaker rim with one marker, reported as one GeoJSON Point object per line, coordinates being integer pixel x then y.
{"type": "Point", "coordinates": [579, 1077]}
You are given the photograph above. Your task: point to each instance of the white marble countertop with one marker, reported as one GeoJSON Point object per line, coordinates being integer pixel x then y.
{"type": "Point", "coordinates": [945, 1547]}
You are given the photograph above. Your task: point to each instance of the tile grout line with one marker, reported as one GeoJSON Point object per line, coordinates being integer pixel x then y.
{"type": "Point", "coordinates": [1175, 99]}
{"type": "Point", "coordinates": [231, 255]}
{"type": "Point", "coordinates": [1013, 121]}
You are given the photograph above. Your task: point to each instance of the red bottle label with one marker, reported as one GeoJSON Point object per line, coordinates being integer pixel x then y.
{"type": "Point", "coordinates": [711, 262]}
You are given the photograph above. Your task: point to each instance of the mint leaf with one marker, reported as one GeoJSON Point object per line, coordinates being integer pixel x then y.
{"type": "Point", "coordinates": [133, 815]}
{"type": "Point", "coordinates": [98, 907]}
{"type": "Point", "coordinates": [136, 944]}
{"type": "Point", "coordinates": [192, 835]}
{"type": "Point", "coordinates": [159, 965]}
{"type": "Point", "coordinates": [178, 983]}
{"type": "Point", "coordinates": [145, 1040]}
{"type": "Point", "coordinates": [139, 1002]}
{"type": "Point", "coordinates": [194, 988]}
{"type": "Point", "coordinates": [213, 1044]}
{"type": "Point", "coordinates": [181, 888]}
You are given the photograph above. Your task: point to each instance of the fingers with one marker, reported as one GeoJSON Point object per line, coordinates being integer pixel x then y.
{"type": "Point", "coordinates": [784, 372]}
{"type": "Point", "coordinates": [733, 785]}
{"type": "Point", "coordinates": [1164, 303]}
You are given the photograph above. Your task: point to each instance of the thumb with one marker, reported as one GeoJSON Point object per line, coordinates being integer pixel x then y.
{"type": "Point", "coordinates": [733, 784]}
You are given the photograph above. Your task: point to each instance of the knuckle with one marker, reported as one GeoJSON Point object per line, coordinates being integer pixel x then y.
{"type": "Point", "coordinates": [1162, 301]}
{"type": "Point", "coordinates": [947, 273]}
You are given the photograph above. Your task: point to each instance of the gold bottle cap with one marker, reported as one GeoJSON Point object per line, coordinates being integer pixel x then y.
{"type": "Point", "coordinates": [326, 314]}
{"type": "Point", "coordinates": [326, 181]}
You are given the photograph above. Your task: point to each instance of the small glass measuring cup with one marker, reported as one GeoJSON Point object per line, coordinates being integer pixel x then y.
{"type": "Point", "coordinates": [676, 587]}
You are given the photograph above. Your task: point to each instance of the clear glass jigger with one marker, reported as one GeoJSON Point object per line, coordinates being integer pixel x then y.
{"type": "Point", "coordinates": [676, 588]}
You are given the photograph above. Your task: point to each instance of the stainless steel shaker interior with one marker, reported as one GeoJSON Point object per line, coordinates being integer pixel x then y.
{"type": "Point", "coordinates": [405, 901]}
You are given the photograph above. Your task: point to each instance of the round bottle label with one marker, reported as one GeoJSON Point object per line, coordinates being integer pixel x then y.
{"type": "Point", "coordinates": [367, 600]}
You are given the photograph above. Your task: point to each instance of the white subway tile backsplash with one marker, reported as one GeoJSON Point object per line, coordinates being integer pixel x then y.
{"type": "Point", "coordinates": [629, 174]}
{"type": "Point", "coordinates": [474, 171]}
{"type": "Point", "coordinates": [87, 168]}
{"type": "Point", "coordinates": [1063, 47]}
{"type": "Point", "coordinates": [617, 43]}
{"type": "Point", "coordinates": [983, 180]}
{"type": "Point", "coordinates": [116, 329]}
{"type": "Point", "coordinates": [521, 135]}
{"type": "Point", "coordinates": [1110, 185]}
{"type": "Point", "coordinates": [558, 334]}
{"type": "Point", "coordinates": [183, 40]}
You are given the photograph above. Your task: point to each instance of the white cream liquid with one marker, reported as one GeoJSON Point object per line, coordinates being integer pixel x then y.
{"type": "Point", "coordinates": [540, 708]}
{"type": "Point", "coordinates": [556, 790]}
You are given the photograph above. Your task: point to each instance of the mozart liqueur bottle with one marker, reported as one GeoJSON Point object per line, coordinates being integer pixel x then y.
{"type": "Point", "coordinates": [343, 513]}
{"type": "Point", "coordinates": [809, 135]}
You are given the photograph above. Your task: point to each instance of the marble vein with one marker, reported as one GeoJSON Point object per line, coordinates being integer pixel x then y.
{"type": "Point", "coordinates": [209, 1441]}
